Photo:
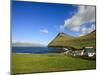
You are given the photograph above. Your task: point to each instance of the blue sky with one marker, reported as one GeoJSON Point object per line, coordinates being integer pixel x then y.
{"type": "Point", "coordinates": [41, 22]}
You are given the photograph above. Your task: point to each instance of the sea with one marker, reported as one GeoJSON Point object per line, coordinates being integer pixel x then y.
{"type": "Point", "coordinates": [36, 50]}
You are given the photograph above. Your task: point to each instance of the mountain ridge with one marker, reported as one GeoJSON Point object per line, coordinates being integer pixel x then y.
{"type": "Point", "coordinates": [75, 42]}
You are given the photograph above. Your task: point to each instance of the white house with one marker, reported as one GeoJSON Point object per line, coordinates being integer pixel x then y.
{"type": "Point", "coordinates": [66, 51]}
{"type": "Point", "coordinates": [89, 51]}
{"type": "Point", "coordinates": [77, 52]}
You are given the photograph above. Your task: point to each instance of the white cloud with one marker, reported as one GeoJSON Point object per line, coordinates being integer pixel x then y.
{"type": "Point", "coordinates": [61, 28]}
{"type": "Point", "coordinates": [77, 28]}
{"type": "Point", "coordinates": [25, 41]}
{"type": "Point", "coordinates": [85, 14]}
{"type": "Point", "coordinates": [44, 31]}
{"type": "Point", "coordinates": [85, 30]}
{"type": "Point", "coordinates": [31, 43]}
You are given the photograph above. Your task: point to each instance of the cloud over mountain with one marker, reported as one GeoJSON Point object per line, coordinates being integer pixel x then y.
{"type": "Point", "coordinates": [85, 14]}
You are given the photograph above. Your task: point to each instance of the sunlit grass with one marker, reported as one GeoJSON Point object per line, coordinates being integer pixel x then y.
{"type": "Point", "coordinates": [32, 63]}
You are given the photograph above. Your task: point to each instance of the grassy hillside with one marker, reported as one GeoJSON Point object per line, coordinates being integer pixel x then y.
{"type": "Point", "coordinates": [60, 40]}
{"type": "Point", "coordinates": [79, 42]}
{"type": "Point", "coordinates": [87, 40]}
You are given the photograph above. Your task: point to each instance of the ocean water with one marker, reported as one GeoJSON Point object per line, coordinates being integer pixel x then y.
{"type": "Point", "coordinates": [35, 50]}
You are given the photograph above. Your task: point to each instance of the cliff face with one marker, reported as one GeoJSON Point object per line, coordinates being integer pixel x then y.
{"type": "Point", "coordinates": [64, 40]}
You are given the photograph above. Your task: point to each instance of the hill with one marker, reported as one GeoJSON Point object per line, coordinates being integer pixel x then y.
{"type": "Point", "coordinates": [60, 40]}
{"type": "Point", "coordinates": [26, 44]}
{"type": "Point", "coordinates": [63, 40]}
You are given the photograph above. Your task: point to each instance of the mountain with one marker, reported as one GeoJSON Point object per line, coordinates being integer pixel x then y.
{"type": "Point", "coordinates": [83, 41]}
{"type": "Point", "coordinates": [64, 40]}
{"type": "Point", "coordinates": [25, 44]}
{"type": "Point", "coordinates": [60, 40]}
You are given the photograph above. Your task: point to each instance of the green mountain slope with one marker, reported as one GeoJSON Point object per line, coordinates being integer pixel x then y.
{"type": "Point", "coordinates": [60, 40]}
{"type": "Point", "coordinates": [79, 42]}
{"type": "Point", "coordinates": [83, 41]}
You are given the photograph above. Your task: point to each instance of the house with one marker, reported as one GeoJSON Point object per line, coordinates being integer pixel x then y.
{"type": "Point", "coordinates": [86, 51]}
{"type": "Point", "coordinates": [67, 50]}
{"type": "Point", "coordinates": [77, 52]}
{"type": "Point", "coordinates": [89, 51]}
{"type": "Point", "coordinates": [73, 52]}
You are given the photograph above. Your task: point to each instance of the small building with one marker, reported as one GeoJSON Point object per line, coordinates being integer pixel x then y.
{"type": "Point", "coordinates": [67, 50]}
{"type": "Point", "coordinates": [89, 51]}
{"type": "Point", "coordinates": [77, 52]}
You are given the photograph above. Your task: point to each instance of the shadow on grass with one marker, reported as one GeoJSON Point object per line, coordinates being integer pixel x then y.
{"type": "Point", "coordinates": [52, 71]}
{"type": "Point", "coordinates": [85, 57]}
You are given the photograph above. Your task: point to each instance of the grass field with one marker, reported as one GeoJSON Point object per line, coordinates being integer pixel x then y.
{"type": "Point", "coordinates": [32, 63]}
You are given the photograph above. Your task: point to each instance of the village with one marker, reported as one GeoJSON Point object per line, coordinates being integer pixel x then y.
{"type": "Point", "coordinates": [86, 51]}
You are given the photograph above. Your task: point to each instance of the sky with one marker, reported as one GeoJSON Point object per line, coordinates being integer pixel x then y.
{"type": "Point", "coordinates": [37, 22]}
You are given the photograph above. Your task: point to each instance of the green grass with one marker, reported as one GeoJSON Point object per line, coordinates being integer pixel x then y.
{"type": "Point", "coordinates": [32, 63]}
